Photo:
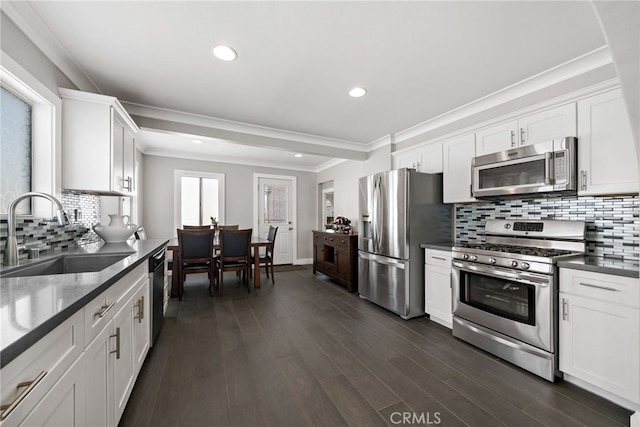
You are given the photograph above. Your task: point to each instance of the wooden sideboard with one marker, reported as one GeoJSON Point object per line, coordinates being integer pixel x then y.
{"type": "Point", "coordinates": [336, 255]}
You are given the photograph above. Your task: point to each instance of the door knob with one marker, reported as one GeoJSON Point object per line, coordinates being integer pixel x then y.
{"type": "Point", "coordinates": [290, 228]}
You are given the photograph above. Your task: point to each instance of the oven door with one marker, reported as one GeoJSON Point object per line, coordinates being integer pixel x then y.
{"type": "Point", "coordinates": [515, 303]}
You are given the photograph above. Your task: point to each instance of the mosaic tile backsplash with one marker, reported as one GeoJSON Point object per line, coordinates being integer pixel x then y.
{"type": "Point", "coordinates": [612, 222]}
{"type": "Point", "coordinates": [83, 211]}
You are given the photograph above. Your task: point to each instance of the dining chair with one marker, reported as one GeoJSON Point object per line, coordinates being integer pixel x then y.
{"type": "Point", "coordinates": [196, 227]}
{"type": "Point", "coordinates": [267, 258]}
{"type": "Point", "coordinates": [195, 255]}
{"type": "Point", "coordinates": [235, 255]}
{"type": "Point", "coordinates": [229, 227]}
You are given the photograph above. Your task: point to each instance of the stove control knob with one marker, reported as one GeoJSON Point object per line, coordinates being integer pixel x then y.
{"type": "Point", "coordinates": [492, 260]}
{"type": "Point", "coordinates": [514, 264]}
{"type": "Point", "coordinates": [474, 257]}
{"type": "Point", "coordinates": [525, 265]}
{"type": "Point", "coordinates": [465, 256]}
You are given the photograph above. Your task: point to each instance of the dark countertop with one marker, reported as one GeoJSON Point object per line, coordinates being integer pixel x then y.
{"type": "Point", "coordinates": [31, 307]}
{"type": "Point", "coordinates": [441, 246]}
{"type": "Point", "coordinates": [602, 265]}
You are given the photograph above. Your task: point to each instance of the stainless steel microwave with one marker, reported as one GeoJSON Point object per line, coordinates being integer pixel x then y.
{"type": "Point", "coordinates": [537, 168]}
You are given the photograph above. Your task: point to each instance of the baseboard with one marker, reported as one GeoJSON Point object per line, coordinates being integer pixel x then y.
{"type": "Point", "coordinates": [303, 261]}
{"type": "Point", "coordinates": [621, 401]}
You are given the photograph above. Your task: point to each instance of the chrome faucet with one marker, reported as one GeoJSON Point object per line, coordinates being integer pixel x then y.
{"type": "Point", "coordinates": [11, 251]}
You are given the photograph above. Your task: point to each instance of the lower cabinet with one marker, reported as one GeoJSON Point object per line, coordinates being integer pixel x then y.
{"type": "Point", "coordinates": [115, 356]}
{"type": "Point", "coordinates": [65, 379]}
{"type": "Point", "coordinates": [64, 404]}
{"type": "Point", "coordinates": [437, 281]}
{"type": "Point", "coordinates": [599, 333]}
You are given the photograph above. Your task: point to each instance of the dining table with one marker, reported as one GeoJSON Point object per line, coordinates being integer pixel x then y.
{"type": "Point", "coordinates": [256, 243]}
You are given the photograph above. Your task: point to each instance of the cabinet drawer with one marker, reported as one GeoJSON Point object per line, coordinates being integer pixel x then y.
{"type": "Point", "coordinates": [437, 258]}
{"type": "Point", "coordinates": [605, 287]}
{"type": "Point", "coordinates": [101, 309]}
{"type": "Point", "coordinates": [39, 368]}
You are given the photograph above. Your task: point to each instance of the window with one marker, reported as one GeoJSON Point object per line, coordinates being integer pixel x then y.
{"type": "Point", "coordinates": [200, 196]}
{"type": "Point", "coordinates": [15, 150]}
{"type": "Point", "coordinates": [45, 131]}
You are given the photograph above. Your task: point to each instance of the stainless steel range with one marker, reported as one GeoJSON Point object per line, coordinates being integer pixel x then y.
{"type": "Point", "coordinates": [505, 290]}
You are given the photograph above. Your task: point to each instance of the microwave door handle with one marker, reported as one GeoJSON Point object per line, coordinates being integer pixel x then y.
{"type": "Point", "coordinates": [548, 165]}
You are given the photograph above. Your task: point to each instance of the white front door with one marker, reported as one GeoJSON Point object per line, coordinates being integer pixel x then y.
{"type": "Point", "coordinates": [275, 206]}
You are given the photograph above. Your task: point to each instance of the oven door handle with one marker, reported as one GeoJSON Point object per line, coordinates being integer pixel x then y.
{"type": "Point", "coordinates": [506, 274]}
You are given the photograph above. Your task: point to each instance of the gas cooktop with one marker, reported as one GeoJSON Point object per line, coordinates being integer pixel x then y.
{"type": "Point", "coordinates": [520, 250]}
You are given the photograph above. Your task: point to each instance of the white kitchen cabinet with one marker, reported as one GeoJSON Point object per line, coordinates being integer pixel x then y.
{"type": "Point", "coordinates": [599, 333]}
{"type": "Point", "coordinates": [437, 281]}
{"type": "Point", "coordinates": [457, 156]}
{"type": "Point", "coordinates": [98, 144]}
{"type": "Point", "coordinates": [116, 354]}
{"type": "Point", "coordinates": [606, 152]}
{"type": "Point", "coordinates": [64, 403]}
{"type": "Point", "coordinates": [426, 158]}
{"type": "Point", "coordinates": [554, 123]}
{"type": "Point", "coordinates": [34, 379]}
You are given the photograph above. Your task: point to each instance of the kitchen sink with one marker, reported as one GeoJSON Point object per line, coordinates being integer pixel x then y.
{"type": "Point", "coordinates": [67, 264]}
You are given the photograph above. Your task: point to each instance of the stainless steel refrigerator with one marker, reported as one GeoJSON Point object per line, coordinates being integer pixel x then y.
{"type": "Point", "coordinates": [399, 210]}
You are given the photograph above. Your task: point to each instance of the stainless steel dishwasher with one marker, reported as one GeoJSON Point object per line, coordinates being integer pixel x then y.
{"type": "Point", "coordinates": [156, 280]}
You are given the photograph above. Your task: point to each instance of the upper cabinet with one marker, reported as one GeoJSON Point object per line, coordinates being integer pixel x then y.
{"type": "Point", "coordinates": [98, 144]}
{"type": "Point", "coordinates": [606, 153]}
{"type": "Point", "coordinates": [550, 124]}
{"type": "Point", "coordinates": [457, 156]}
{"type": "Point", "coordinates": [426, 158]}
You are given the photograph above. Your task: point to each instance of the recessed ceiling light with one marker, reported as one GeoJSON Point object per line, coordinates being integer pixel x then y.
{"type": "Point", "coordinates": [224, 53]}
{"type": "Point", "coordinates": [357, 92]}
{"type": "Point", "coordinates": [196, 141]}
{"type": "Point", "coordinates": [298, 155]}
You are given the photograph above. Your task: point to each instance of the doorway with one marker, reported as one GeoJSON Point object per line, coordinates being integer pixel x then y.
{"type": "Point", "coordinates": [275, 205]}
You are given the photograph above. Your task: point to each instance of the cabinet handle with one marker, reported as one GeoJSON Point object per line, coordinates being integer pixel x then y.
{"type": "Point", "coordinates": [583, 176]}
{"type": "Point", "coordinates": [140, 305]}
{"type": "Point", "coordinates": [606, 288]}
{"type": "Point", "coordinates": [127, 183]}
{"type": "Point", "coordinates": [513, 139]}
{"type": "Point", "coordinates": [104, 310]}
{"type": "Point", "coordinates": [117, 337]}
{"type": "Point", "coordinates": [440, 258]}
{"type": "Point", "coordinates": [565, 309]}
{"type": "Point", "coordinates": [30, 385]}
{"type": "Point", "coordinates": [521, 136]}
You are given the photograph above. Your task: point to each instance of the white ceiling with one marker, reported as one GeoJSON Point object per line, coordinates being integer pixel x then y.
{"type": "Point", "coordinates": [298, 60]}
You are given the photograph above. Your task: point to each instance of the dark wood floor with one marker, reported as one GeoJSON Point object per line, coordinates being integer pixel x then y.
{"type": "Point", "coordinates": [306, 352]}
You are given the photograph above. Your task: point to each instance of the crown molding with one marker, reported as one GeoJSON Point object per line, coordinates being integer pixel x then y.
{"type": "Point", "coordinates": [571, 69]}
{"type": "Point", "coordinates": [329, 164]}
{"type": "Point", "coordinates": [30, 23]}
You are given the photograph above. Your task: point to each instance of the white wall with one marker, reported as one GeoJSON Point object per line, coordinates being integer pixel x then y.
{"type": "Point", "coordinates": [158, 196]}
{"type": "Point", "coordinates": [345, 178]}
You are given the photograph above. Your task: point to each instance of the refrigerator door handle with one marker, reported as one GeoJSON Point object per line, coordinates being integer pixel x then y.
{"type": "Point", "coordinates": [374, 217]}
{"type": "Point", "coordinates": [383, 260]}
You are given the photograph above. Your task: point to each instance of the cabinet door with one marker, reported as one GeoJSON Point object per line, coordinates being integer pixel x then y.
{"type": "Point", "coordinates": [547, 125]}
{"type": "Point", "coordinates": [496, 138]}
{"type": "Point", "coordinates": [606, 155]}
{"type": "Point", "coordinates": [99, 374]}
{"type": "Point", "coordinates": [600, 344]}
{"type": "Point", "coordinates": [406, 160]}
{"type": "Point", "coordinates": [117, 155]}
{"type": "Point", "coordinates": [141, 325]}
{"type": "Point", "coordinates": [64, 404]}
{"type": "Point", "coordinates": [123, 363]}
{"type": "Point", "coordinates": [430, 158]}
{"type": "Point", "coordinates": [458, 154]}
{"type": "Point", "coordinates": [438, 295]}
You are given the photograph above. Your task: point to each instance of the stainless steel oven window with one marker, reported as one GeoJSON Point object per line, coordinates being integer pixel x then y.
{"type": "Point", "coordinates": [504, 298]}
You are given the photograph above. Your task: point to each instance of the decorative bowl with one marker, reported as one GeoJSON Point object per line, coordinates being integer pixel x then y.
{"type": "Point", "coordinates": [115, 234]}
